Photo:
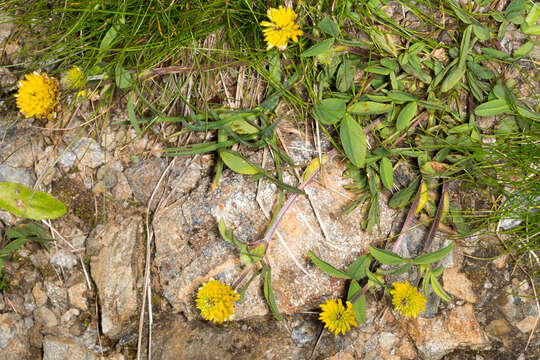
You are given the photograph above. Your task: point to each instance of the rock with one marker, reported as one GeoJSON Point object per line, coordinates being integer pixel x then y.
{"type": "Point", "coordinates": [77, 298]}
{"type": "Point", "coordinates": [456, 329]}
{"type": "Point", "coordinates": [304, 332]}
{"type": "Point", "coordinates": [406, 350]}
{"type": "Point", "coordinates": [342, 355]}
{"type": "Point", "coordinates": [57, 348]}
{"type": "Point", "coordinates": [387, 341]}
{"type": "Point", "coordinates": [45, 317]}
{"type": "Point", "coordinates": [114, 261]}
{"type": "Point", "coordinates": [18, 147]}
{"type": "Point", "coordinates": [528, 324]}
{"type": "Point", "coordinates": [8, 218]}
{"type": "Point", "coordinates": [22, 176]}
{"type": "Point", "coordinates": [501, 261]}
{"type": "Point", "coordinates": [63, 258]}
{"type": "Point", "coordinates": [174, 339]}
{"type": "Point", "coordinates": [498, 327]}
{"type": "Point", "coordinates": [69, 315]}
{"type": "Point", "coordinates": [510, 305]}
{"type": "Point", "coordinates": [57, 294]}
{"type": "Point", "coordinates": [143, 178]}
{"type": "Point", "coordinates": [189, 250]}
{"type": "Point", "coordinates": [457, 284]}
{"type": "Point", "coordinates": [122, 190]}
{"type": "Point", "coordinates": [14, 343]}
{"type": "Point", "coordinates": [85, 152]}
{"type": "Point", "coordinates": [39, 295]}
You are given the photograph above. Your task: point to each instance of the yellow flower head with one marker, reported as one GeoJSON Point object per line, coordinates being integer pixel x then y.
{"type": "Point", "coordinates": [215, 301]}
{"type": "Point", "coordinates": [407, 299]}
{"type": "Point", "coordinates": [280, 28]}
{"type": "Point", "coordinates": [336, 318]}
{"type": "Point", "coordinates": [38, 96]}
{"type": "Point", "coordinates": [74, 78]}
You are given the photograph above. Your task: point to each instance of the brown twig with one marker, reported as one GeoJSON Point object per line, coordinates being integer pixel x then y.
{"type": "Point", "coordinates": [437, 220]}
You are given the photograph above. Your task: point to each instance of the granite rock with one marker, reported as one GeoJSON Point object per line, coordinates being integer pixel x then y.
{"type": "Point", "coordinates": [115, 259]}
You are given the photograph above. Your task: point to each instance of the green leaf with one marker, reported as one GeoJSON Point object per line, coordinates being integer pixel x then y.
{"type": "Point", "coordinates": [460, 14]}
{"type": "Point", "coordinates": [353, 140]}
{"type": "Point", "coordinates": [400, 97]}
{"type": "Point", "coordinates": [345, 76]}
{"type": "Point", "coordinates": [327, 26]}
{"type": "Point", "coordinates": [425, 284]}
{"type": "Point", "coordinates": [524, 49]}
{"type": "Point", "coordinates": [359, 306]}
{"type": "Point", "coordinates": [436, 285]}
{"type": "Point", "coordinates": [369, 108]}
{"type": "Point", "coordinates": [357, 269]}
{"type": "Point", "coordinates": [402, 197]}
{"type": "Point", "coordinates": [329, 111]}
{"type": "Point", "coordinates": [319, 48]}
{"type": "Point", "coordinates": [274, 67]}
{"type": "Point", "coordinates": [438, 271]}
{"type": "Point", "coordinates": [406, 115]}
{"type": "Point", "coordinates": [526, 113]}
{"type": "Point", "coordinates": [480, 71]}
{"type": "Point", "coordinates": [15, 198]}
{"type": "Point", "coordinates": [434, 256]}
{"type": "Point", "coordinates": [109, 37]}
{"type": "Point", "coordinates": [237, 163]}
{"type": "Point", "coordinates": [313, 166]}
{"type": "Point", "coordinates": [131, 113]}
{"type": "Point", "coordinates": [122, 77]}
{"type": "Point", "coordinates": [269, 293]}
{"type": "Point", "coordinates": [459, 222]}
{"type": "Point", "coordinates": [386, 257]}
{"type": "Point", "coordinates": [376, 279]}
{"type": "Point", "coordinates": [494, 53]}
{"type": "Point", "coordinates": [228, 235]}
{"type": "Point", "coordinates": [493, 107]}
{"type": "Point", "coordinates": [533, 14]}
{"type": "Point", "coordinates": [397, 271]}
{"type": "Point", "coordinates": [481, 32]}
{"type": "Point", "coordinates": [453, 77]}
{"type": "Point", "coordinates": [12, 246]}
{"type": "Point", "coordinates": [387, 173]}
{"type": "Point", "coordinates": [327, 268]}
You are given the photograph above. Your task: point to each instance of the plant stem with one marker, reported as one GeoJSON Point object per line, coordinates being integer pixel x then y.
{"type": "Point", "coordinates": [437, 220]}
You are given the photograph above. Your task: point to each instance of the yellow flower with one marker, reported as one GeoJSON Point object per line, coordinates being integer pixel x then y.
{"type": "Point", "coordinates": [74, 78]}
{"type": "Point", "coordinates": [280, 28]}
{"type": "Point", "coordinates": [336, 318]}
{"type": "Point", "coordinates": [407, 299]}
{"type": "Point", "coordinates": [215, 301]}
{"type": "Point", "coordinates": [38, 96]}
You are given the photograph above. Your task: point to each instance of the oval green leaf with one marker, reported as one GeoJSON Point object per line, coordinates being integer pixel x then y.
{"type": "Point", "coordinates": [329, 111]}
{"type": "Point", "coordinates": [354, 141]}
{"type": "Point", "coordinates": [386, 257]}
{"type": "Point", "coordinates": [357, 269]}
{"type": "Point", "coordinates": [406, 115]}
{"type": "Point", "coordinates": [327, 268]}
{"type": "Point", "coordinates": [237, 163]}
{"type": "Point", "coordinates": [493, 107]}
{"type": "Point", "coordinates": [369, 108]}
{"type": "Point", "coordinates": [436, 285]}
{"type": "Point", "coordinates": [387, 173]}
{"type": "Point", "coordinates": [434, 256]}
{"type": "Point", "coordinates": [15, 198]}
{"type": "Point", "coordinates": [359, 305]}
{"type": "Point", "coordinates": [319, 48]}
